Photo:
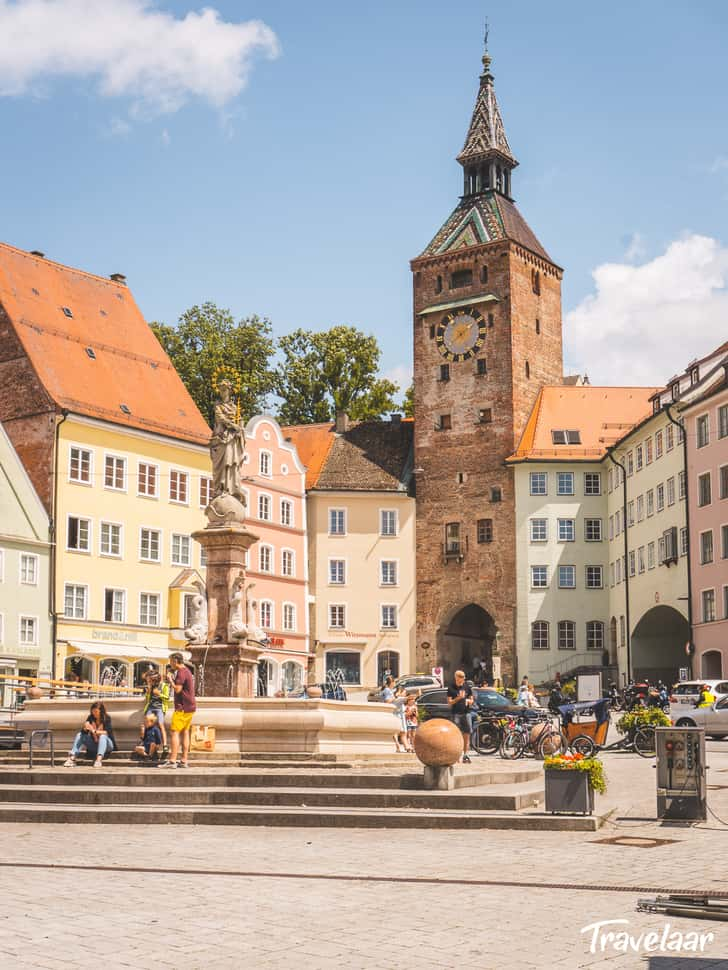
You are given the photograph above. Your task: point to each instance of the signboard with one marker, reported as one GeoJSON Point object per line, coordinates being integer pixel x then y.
{"type": "Point", "coordinates": [588, 687]}
{"type": "Point", "coordinates": [496, 670]}
{"type": "Point", "coordinates": [684, 673]}
{"type": "Point", "coordinates": [438, 672]}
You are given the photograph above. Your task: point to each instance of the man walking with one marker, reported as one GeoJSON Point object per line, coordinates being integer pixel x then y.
{"type": "Point", "coordinates": [183, 685]}
{"type": "Point", "coordinates": [460, 699]}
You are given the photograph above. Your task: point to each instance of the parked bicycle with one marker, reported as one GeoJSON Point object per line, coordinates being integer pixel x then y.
{"type": "Point", "coordinates": [528, 736]}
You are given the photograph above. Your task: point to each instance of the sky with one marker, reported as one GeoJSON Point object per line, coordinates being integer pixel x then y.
{"type": "Point", "coordinates": [288, 159]}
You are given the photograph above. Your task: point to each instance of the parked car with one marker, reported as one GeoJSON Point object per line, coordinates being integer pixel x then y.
{"type": "Point", "coordinates": [487, 701]}
{"type": "Point", "coordinates": [686, 693]}
{"type": "Point", "coordinates": [714, 718]}
{"type": "Point", "coordinates": [411, 683]}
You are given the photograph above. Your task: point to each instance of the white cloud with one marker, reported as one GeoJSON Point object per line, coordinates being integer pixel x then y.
{"type": "Point", "coordinates": [401, 374]}
{"type": "Point", "coordinates": [130, 50]}
{"type": "Point", "coordinates": [644, 323]}
{"type": "Point", "coordinates": [635, 248]}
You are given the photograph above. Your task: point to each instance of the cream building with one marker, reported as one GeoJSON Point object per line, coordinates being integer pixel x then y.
{"type": "Point", "coordinates": [25, 626]}
{"type": "Point", "coordinates": [562, 548]}
{"type": "Point", "coordinates": [361, 534]}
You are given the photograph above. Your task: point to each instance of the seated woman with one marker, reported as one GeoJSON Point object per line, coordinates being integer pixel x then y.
{"type": "Point", "coordinates": [96, 737]}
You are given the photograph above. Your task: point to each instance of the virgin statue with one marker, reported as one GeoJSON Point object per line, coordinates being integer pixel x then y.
{"type": "Point", "coordinates": [227, 446]}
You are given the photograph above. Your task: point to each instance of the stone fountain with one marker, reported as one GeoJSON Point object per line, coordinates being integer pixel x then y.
{"type": "Point", "coordinates": [223, 636]}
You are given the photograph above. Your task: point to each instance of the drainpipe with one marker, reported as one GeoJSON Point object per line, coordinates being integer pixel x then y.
{"type": "Point", "coordinates": [681, 431]}
{"type": "Point", "coordinates": [53, 539]}
{"type": "Point", "coordinates": [626, 563]}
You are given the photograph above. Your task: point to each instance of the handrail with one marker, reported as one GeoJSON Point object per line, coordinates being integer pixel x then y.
{"type": "Point", "coordinates": [85, 687]}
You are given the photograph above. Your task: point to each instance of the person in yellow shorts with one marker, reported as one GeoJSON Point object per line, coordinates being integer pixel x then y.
{"type": "Point", "coordinates": [182, 683]}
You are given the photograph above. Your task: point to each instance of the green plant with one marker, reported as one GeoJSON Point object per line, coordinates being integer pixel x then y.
{"type": "Point", "coordinates": [568, 688]}
{"type": "Point", "coordinates": [512, 694]}
{"type": "Point", "coordinates": [631, 720]}
{"type": "Point", "coordinates": [577, 762]}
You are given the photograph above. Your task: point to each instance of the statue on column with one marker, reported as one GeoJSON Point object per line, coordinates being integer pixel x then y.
{"type": "Point", "coordinates": [227, 450]}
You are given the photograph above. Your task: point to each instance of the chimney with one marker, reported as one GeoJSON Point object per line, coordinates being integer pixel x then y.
{"type": "Point", "coordinates": [37, 252]}
{"type": "Point", "coordinates": [342, 422]}
{"type": "Point", "coordinates": [118, 278]}
{"type": "Point", "coordinates": [396, 420]}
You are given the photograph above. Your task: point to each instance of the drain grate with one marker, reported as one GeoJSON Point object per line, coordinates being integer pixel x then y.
{"type": "Point", "coordinates": [636, 841]}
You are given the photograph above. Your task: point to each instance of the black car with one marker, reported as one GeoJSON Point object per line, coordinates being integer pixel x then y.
{"type": "Point", "coordinates": [487, 701]}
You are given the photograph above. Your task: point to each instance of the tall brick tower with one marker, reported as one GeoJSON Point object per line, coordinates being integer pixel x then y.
{"type": "Point", "coordinates": [487, 335]}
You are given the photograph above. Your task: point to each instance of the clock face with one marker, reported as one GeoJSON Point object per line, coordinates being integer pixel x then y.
{"type": "Point", "coordinates": [460, 335]}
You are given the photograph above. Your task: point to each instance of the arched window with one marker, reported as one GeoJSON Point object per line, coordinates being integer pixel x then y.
{"type": "Point", "coordinates": [540, 635]}
{"type": "Point", "coordinates": [438, 285]}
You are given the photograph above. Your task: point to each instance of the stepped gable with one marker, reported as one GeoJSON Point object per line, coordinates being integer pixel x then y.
{"type": "Point", "coordinates": [369, 456]}
{"type": "Point", "coordinates": [491, 217]}
{"type": "Point", "coordinates": [601, 415]}
{"type": "Point", "coordinates": [91, 348]}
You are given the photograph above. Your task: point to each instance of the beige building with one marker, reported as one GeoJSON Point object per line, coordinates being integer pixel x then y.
{"type": "Point", "coordinates": [361, 535]}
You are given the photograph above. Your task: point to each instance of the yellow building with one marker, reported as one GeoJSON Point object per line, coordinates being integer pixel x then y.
{"type": "Point", "coordinates": [117, 452]}
{"type": "Point", "coordinates": [361, 536]}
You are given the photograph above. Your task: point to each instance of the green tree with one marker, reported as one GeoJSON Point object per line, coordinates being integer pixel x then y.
{"type": "Point", "coordinates": [334, 370]}
{"type": "Point", "coordinates": [408, 402]}
{"type": "Point", "coordinates": [208, 344]}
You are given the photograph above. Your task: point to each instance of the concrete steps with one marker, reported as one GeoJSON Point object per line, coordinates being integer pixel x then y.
{"type": "Point", "coordinates": [490, 794]}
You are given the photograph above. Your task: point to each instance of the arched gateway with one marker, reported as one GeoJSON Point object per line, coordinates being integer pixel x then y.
{"type": "Point", "coordinates": [658, 645]}
{"type": "Point", "coordinates": [465, 638]}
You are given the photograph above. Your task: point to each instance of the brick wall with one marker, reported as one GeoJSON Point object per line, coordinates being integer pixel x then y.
{"type": "Point", "coordinates": [26, 411]}
{"type": "Point", "coordinates": [486, 576]}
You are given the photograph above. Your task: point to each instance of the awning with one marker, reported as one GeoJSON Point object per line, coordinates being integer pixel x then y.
{"type": "Point", "coordinates": [125, 651]}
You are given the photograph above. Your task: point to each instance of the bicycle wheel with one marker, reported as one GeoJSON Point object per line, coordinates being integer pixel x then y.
{"type": "Point", "coordinates": [486, 738]}
{"type": "Point", "coordinates": [513, 745]}
{"type": "Point", "coordinates": [644, 742]}
{"type": "Point", "coordinates": [583, 745]}
{"type": "Point", "coordinates": [551, 743]}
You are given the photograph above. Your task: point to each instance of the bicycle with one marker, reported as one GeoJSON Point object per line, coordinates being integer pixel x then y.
{"type": "Point", "coordinates": [487, 734]}
{"type": "Point", "coordinates": [521, 737]}
{"type": "Point", "coordinates": [640, 739]}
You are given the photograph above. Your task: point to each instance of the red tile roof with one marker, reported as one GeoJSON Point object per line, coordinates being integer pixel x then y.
{"type": "Point", "coordinates": [58, 312]}
{"type": "Point", "coordinates": [602, 415]}
{"type": "Point", "coordinates": [313, 443]}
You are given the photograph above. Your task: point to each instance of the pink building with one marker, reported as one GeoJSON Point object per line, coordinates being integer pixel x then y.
{"type": "Point", "coordinates": [278, 563]}
{"type": "Point", "coordinates": [706, 426]}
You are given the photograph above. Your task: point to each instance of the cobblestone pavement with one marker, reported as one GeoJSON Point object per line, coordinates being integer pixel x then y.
{"type": "Point", "coordinates": [254, 898]}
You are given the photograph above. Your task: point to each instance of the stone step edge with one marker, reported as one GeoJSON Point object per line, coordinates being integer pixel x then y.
{"type": "Point", "coordinates": [267, 816]}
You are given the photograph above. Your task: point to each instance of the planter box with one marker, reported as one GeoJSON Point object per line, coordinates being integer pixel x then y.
{"type": "Point", "coordinates": [568, 791]}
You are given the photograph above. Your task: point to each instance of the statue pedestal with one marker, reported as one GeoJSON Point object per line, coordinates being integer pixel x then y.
{"type": "Point", "coordinates": [224, 669]}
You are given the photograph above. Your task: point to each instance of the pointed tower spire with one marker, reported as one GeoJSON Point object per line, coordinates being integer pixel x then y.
{"type": "Point", "coordinates": [486, 155]}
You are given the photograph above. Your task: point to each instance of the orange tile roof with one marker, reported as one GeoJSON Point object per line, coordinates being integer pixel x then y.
{"type": "Point", "coordinates": [602, 415]}
{"type": "Point", "coordinates": [130, 366]}
{"type": "Point", "coordinates": [313, 443]}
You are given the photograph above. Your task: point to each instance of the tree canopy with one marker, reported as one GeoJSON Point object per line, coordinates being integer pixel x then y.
{"type": "Point", "coordinates": [208, 344]}
{"type": "Point", "coordinates": [334, 370]}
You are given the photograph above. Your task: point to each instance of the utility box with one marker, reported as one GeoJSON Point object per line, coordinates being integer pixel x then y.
{"type": "Point", "coordinates": [681, 778]}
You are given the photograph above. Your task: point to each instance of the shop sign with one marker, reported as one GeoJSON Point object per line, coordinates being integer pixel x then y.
{"type": "Point", "coordinates": [123, 636]}
{"type": "Point", "coordinates": [276, 641]}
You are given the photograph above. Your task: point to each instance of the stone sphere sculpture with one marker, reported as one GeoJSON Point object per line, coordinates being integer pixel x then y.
{"type": "Point", "coordinates": [438, 743]}
{"type": "Point", "coordinates": [552, 746]}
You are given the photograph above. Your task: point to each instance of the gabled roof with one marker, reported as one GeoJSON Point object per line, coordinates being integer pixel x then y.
{"type": "Point", "coordinates": [58, 312]}
{"type": "Point", "coordinates": [484, 218]}
{"type": "Point", "coordinates": [313, 443]}
{"type": "Point", "coordinates": [601, 415]}
{"type": "Point", "coordinates": [22, 511]}
{"type": "Point", "coordinates": [369, 456]}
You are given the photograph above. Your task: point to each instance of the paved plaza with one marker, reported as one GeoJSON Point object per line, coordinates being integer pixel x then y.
{"type": "Point", "coordinates": [77, 896]}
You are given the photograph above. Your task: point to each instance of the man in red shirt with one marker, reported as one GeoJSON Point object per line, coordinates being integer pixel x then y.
{"type": "Point", "coordinates": [183, 685]}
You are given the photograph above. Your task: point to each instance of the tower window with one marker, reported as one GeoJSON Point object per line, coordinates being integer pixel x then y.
{"type": "Point", "coordinates": [528, 369]}
{"type": "Point", "coordinates": [432, 331]}
{"type": "Point", "coordinates": [535, 281]}
{"type": "Point", "coordinates": [485, 530]}
{"type": "Point", "coordinates": [538, 326]}
{"type": "Point", "coordinates": [461, 277]}
{"type": "Point", "coordinates": [482, 367]}
{"type": "Point", "coordinates": [485, 415]}
{"type": "Point", "coordinates": [491, 320]}
{"type": "Point", "coordinates": [484, 274]}
{"type": "Point", "coordinates": [461, 478]}
{"type": "Point", "coordinates": [444, 372]}
{"type": "Point", "coordinates": [496, 494]}
{"type": "Point", "coordinates": [445, 423]}
{"type": "Point", "coordinates": [438, 284]}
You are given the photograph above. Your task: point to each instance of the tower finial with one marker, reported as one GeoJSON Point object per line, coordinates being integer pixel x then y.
{"type": "Point", "coordinates": [486, 55]}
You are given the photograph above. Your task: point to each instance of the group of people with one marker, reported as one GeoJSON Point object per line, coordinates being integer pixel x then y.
{"type": "Point", "coordinates": [96, 737]}
{"type": "Point", "coordinates": [527, 694]}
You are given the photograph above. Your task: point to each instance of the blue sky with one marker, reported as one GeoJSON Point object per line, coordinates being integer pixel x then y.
{"type": "Point", "coordinates": [304, 196]}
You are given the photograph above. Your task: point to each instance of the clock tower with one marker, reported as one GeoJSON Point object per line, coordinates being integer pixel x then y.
{"type": "Point", "coordinates": [487, 335]}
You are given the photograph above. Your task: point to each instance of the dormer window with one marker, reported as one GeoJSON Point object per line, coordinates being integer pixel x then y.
{"type": "Point", "coordinates": [694, 375]}
{"type": "Point", "coordinates": [675, 390]}
{"type": "Point", "coordinates": [566, 437]}
{"type": "Point", "coordinates": [67, 311]}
